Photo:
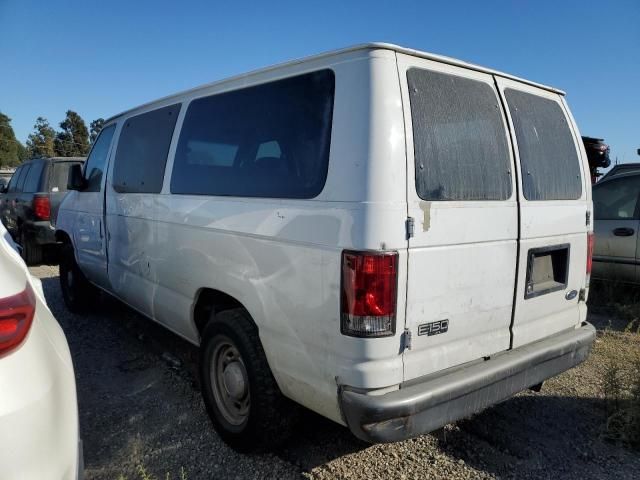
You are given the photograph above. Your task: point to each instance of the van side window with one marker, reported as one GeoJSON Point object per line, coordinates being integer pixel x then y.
{"type": "Point", "coordinates": [616, 199]}
{"type": "Point", "coordinates": [548, 156]}
{"type": "Point", "coordinates": [269, 140]}
{"type": "Point", "coordinates": [459, 138]}
{"type": "Point", "coordinates": [142, 151]}
{"type": "Point", "coordinates": [32, 180]}
{"type": "Point", "coordinates": [94, 167]}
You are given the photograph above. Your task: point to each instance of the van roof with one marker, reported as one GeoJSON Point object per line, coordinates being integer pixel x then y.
{"type": "Point", "coordinates": [363, 46]}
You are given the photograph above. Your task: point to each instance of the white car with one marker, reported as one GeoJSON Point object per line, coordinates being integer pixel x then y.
{"type": "Point", "coordinates": [390, 238]}
{"type": "Point", "coordinates": [39, 432]}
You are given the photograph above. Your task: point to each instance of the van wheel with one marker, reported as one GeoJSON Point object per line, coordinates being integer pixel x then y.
{"type": "Point", "coordinates": [77, 291]}
{"type": "Point", "coordinates": [31, 253]}
{"type": "Point", "coordinates": [242, 398]}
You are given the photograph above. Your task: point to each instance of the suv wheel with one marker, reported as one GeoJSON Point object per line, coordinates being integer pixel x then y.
{"type": "Point", "coordinates": [242, 398]}
{"type": "Point", "coordinates": [77, 291]}
{"type": "Point", "coordinates": [31, 253]}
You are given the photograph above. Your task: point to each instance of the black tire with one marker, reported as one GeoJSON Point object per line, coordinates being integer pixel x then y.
{"type": "Point", "coordinates": [31, 253]}
{"type": "Point", "coordinates": [270, 416]}
{"type": "Point", "coordinates": [78, 293]}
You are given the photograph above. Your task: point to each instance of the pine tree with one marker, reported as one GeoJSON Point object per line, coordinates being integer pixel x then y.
{"type": "Point", "coordinates": [8, 143]}
{"type": "Point", "coordinates": [95, 128]}
{"type": "Point", "coordinates": [73, 140]}
{"type": "Point", "coordinates": [41, 142]}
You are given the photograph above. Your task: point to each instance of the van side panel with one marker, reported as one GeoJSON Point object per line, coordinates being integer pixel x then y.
{"type": "Point", "coordinates": [281, 258]}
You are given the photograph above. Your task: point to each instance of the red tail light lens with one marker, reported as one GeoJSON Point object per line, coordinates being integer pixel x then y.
{"type": "Point", "coordinates": [42, 208]}
{"type": "Point", "coordinates": [369, 293]}
{"type": "Point", "coordinates": [590, 245]}
{"type": "Point", "coordinates": [16, 316]}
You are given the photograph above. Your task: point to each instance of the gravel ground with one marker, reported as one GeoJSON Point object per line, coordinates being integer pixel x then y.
{"type": "Point", "coordinates": [140, 409]}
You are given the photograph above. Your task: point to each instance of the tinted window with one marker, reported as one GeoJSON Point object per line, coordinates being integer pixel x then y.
{"type": "Point", "coordinates": [95, 164]}
{"type": "Point", "coordinates": [616, 199]}
{"type": "Point", "coordinates": [14, 180]}
{"type": "Point", "coordinates": [59, 176]}
{"type": "Point", "coordinates": [32, 180]}
{"type": "Point", "coordinates": [271, 140]}
{"type": "Point", "coordinates": [22, 177]}
{"type": "Point", "coordinates": [142, 151]}
{"type": "Point", "coordinates": [548, 156]}
{"type": "Point", "coordinates": [459, 138]}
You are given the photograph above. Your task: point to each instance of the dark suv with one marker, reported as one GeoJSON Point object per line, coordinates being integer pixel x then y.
{"type": "Point", "coordinates": [29, 204]}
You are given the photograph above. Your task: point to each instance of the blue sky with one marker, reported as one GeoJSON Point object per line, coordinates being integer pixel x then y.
{"type": "Point", "coordinates": [99, 58]}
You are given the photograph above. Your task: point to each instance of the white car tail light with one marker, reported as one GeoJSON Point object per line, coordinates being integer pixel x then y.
{"type": "Point", "coordinates": [16, 316]}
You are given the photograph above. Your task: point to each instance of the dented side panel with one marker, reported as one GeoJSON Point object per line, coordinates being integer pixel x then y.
{"type": "Point", "coordinates": [281, 258]}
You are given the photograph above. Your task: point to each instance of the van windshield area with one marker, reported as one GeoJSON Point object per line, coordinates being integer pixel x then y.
{"type": "Point", "coordinates": [270, 140]}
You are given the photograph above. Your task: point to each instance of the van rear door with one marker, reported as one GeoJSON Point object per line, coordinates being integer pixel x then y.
{"type": "Point", "coordinates": [554, 198]}
{"type": "Point", "coordinates": [461, 195]}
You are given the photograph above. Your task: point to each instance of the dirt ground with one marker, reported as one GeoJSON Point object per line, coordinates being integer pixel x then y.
{"type": "Point", "coordinates": [142, 417]}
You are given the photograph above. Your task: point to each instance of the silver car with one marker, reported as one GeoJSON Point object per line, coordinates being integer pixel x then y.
{"type": "Point", "coordinates": [616, 211]}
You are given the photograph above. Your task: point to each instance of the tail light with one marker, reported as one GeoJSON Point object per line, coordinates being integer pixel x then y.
{"type": "Point", "coordinates": [369, 293]}
{"type": "Point", "coordinates": [590, 245]}
{"type": "Point", "coordinates": [42, 208]}
{"type": "Point", "coordinates": [16, 316]}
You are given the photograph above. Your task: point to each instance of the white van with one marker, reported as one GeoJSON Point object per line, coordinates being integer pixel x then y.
{"type": "Point", "coordinates": [393, 239]}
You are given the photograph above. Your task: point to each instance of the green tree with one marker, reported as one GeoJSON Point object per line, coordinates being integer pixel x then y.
{"type": "Point", "coordinates": [73, 140]}
{"type": "Point", "coordinates": [8, 143]}
{"type": "Point", "coordinates": [23, 152]}
{"type": "Point", "coordinates": [94, 129]}
{"type": "Point", "coordinates": [41, 142]}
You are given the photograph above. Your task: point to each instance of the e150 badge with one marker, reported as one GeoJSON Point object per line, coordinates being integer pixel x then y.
{"type": "Point", "coordinates": [434, 328]}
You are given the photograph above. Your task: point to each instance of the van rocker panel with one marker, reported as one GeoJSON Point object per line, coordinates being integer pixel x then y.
{"type": "Point", "coordinates": [427, 405]}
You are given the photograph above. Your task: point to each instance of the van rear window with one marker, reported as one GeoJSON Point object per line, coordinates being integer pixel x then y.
{"type": "Point", "coordinates": [270, 140]}
{"type": "Point", "coordinates": [548, 156]}
{"type": "Point", "coordinates": [459, 138]}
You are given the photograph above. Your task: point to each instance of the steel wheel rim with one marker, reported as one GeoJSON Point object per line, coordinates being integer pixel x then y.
{"type": "Point", "coordinates": [230, 382]}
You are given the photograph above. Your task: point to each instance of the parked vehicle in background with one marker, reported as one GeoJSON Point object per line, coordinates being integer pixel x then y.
{"type": "Point", "coordinates": [351, 232]}
{"type": "Point", "coordinates": [39, 430]}
{"type": "Point", "coordinates": [5, 176]}
{"type": "Point", "coordinates": [620, 169]}
{"type": "Point", "coordinates": [617, 221]}
{"type": "Point", "coordinates": [29, 207]}
{"type": "Point", "coordinates": [597, 155]}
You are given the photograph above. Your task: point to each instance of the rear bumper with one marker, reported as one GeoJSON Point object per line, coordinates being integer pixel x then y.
{"type": "Point", "coordinates": [436, 400]}
{"type": "Point", "coordinates": [41, 232]}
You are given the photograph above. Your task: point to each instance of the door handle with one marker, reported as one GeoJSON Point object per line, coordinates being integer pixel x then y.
{"type": "Point", "coordinates": [623, 232]}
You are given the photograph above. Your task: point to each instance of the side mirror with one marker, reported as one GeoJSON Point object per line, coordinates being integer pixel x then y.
{"type": "Point", "coordinates": [76, 180]}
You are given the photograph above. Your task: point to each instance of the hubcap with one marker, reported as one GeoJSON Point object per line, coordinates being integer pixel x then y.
{"type": "Point", "coordinates": [234, 381]}
{"type": "Point", "coordinates": [229, 382]}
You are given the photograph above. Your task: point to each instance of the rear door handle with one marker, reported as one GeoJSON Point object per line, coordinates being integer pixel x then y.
{"type": "Point", "coordinates": [623, 232]}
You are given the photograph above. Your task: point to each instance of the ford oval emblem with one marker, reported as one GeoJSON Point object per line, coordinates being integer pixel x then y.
{"type": "Point", "coordinates": [571, 295]}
